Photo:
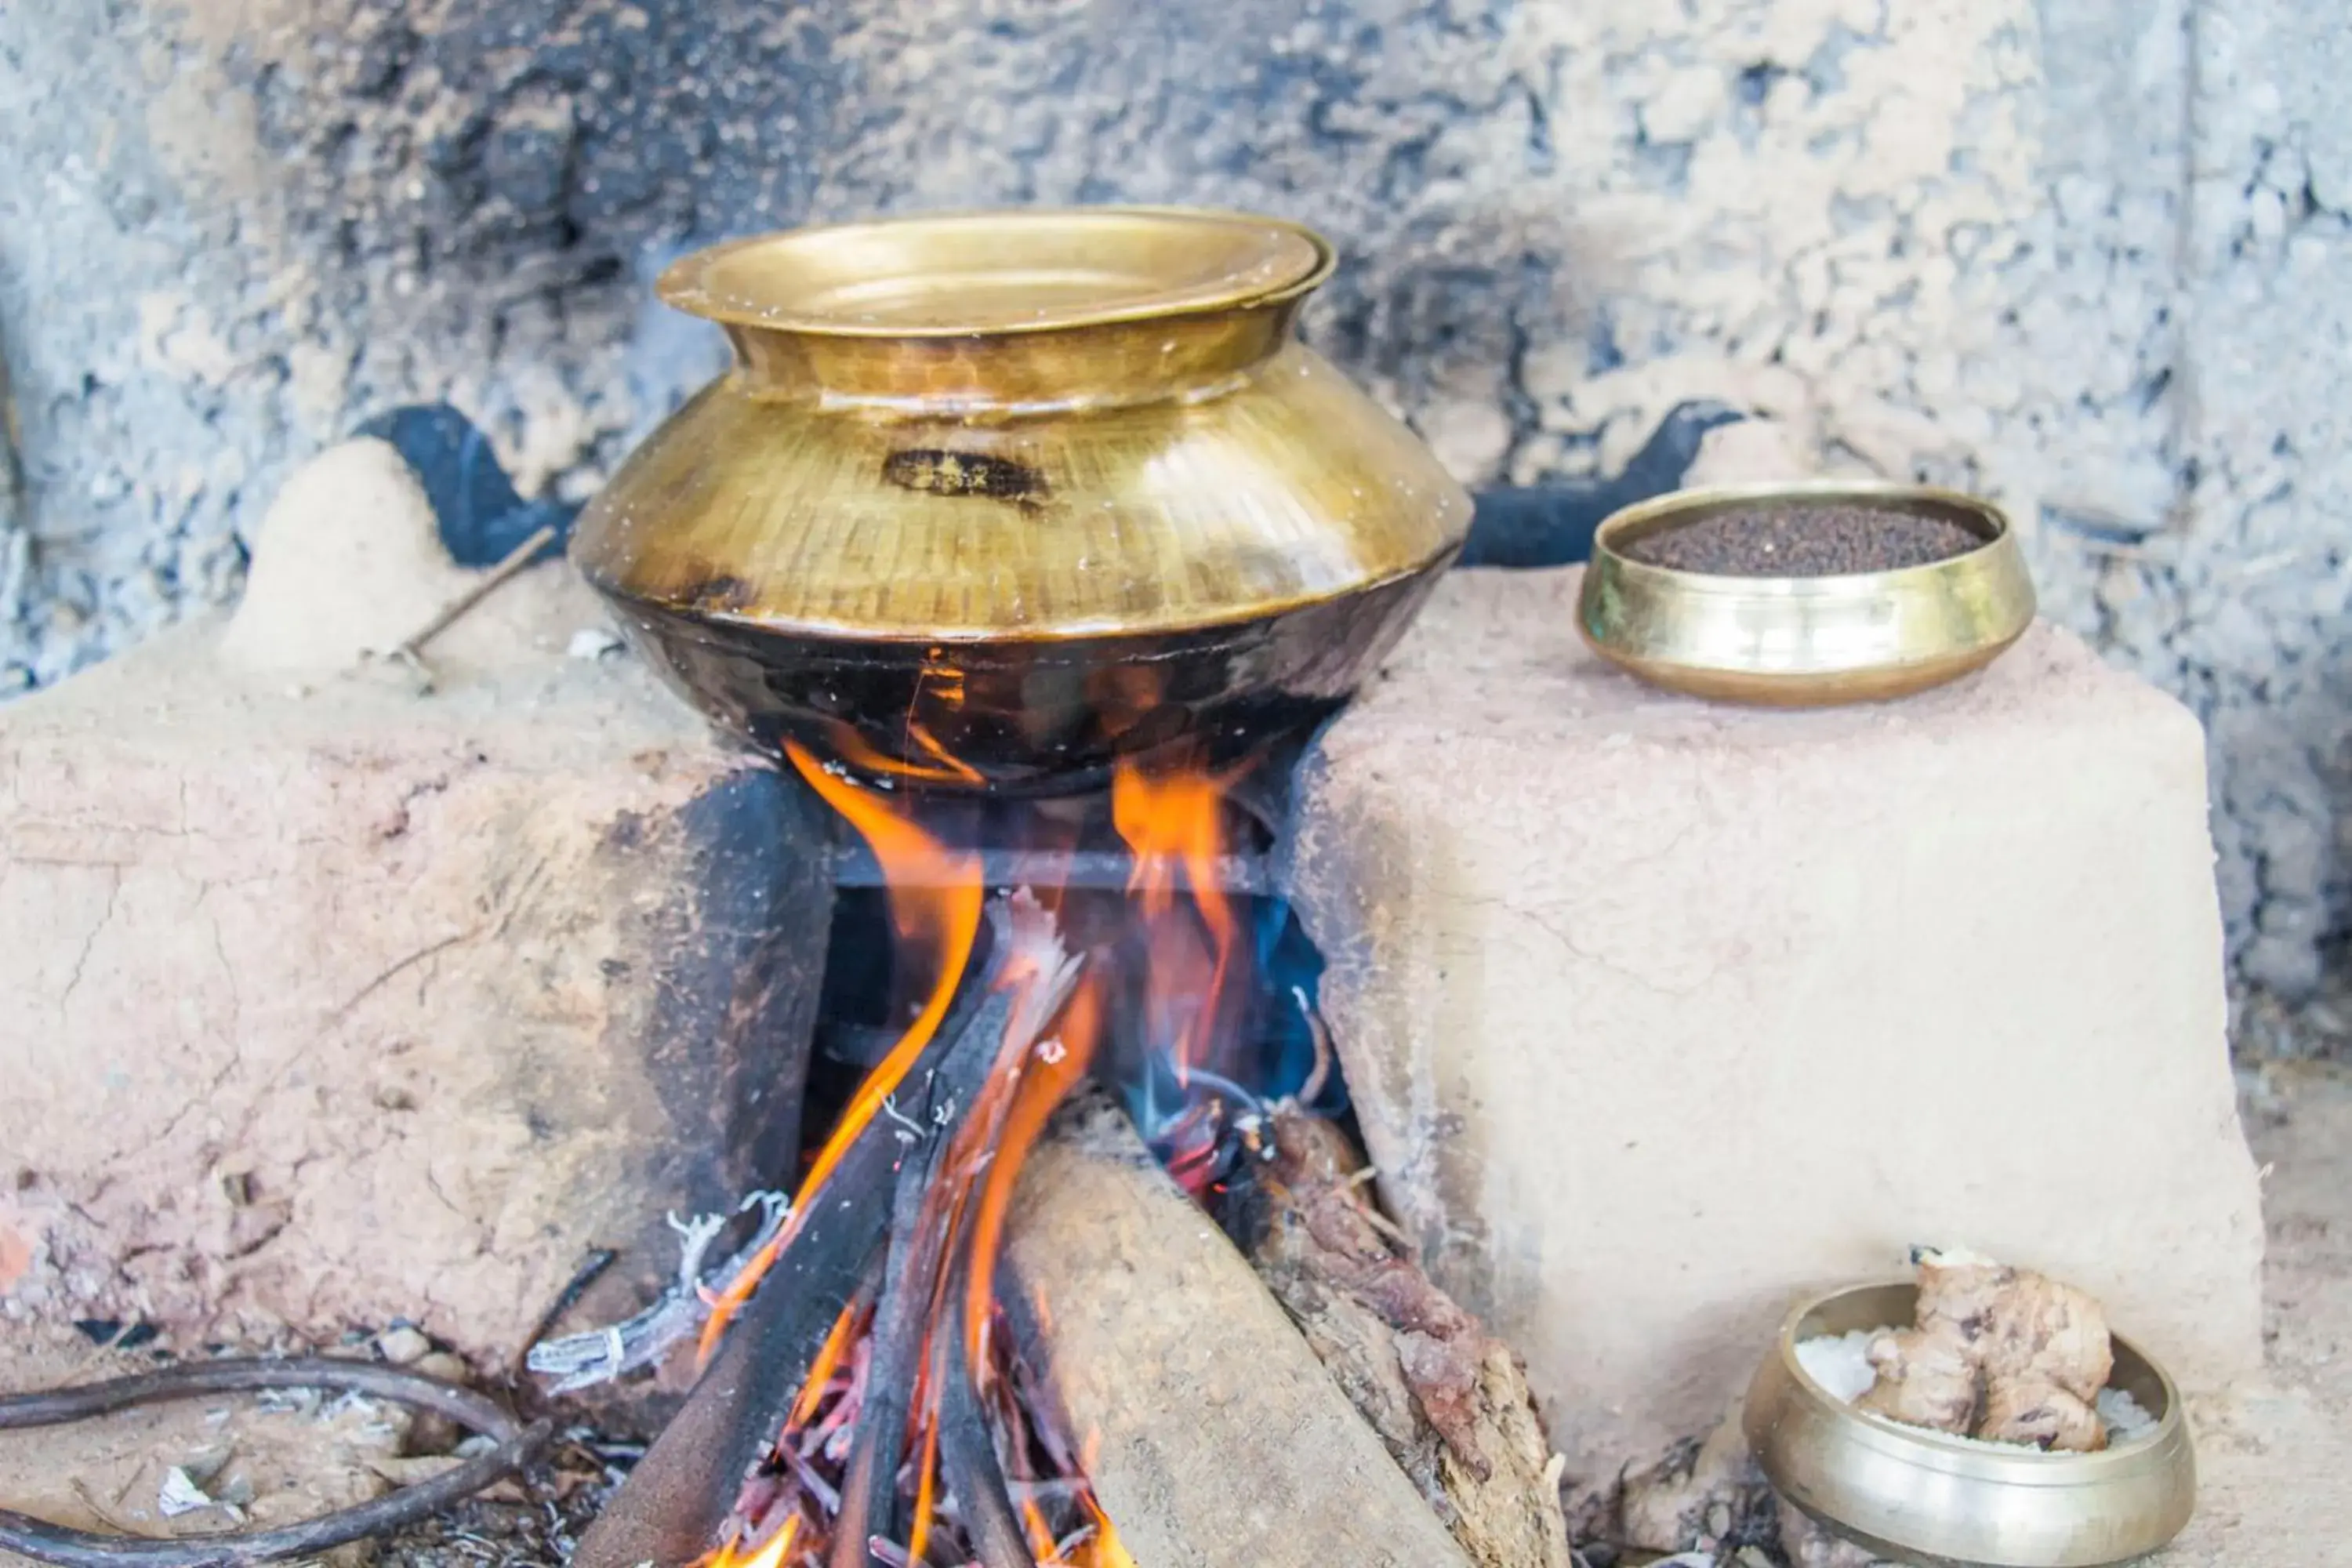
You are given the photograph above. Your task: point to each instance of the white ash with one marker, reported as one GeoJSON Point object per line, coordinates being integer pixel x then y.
{"type": "Point", "coordinates": [1839, 1364]}
{"type": "Point", "coordinates": [180, 1495]}
{"type": "Point", "coordinates": [582, 1360]}
{"type": "Point", "coordinates": [203, 1466]}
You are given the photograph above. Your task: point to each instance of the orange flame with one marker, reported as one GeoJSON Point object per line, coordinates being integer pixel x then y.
{"type": "Point", "coordinates": [1172, 819]}
{"type": "Point", "coordinates": [1108, 1551]}
{"type": "Point", "coordinates": [946, 767]}
{"type": "Point", "coordinates": [828, 1357]}
{"type": "Point", "coordinates": [1101, 1549]}
{"type": "Point", "coordinates": [1042, 1545]}
{"type": "Point", "coordinates": [935, 903]}
{"type": "Point", "coordinates": [927, 1486]}
{"type": "Point", "coordinates": [770, 1555]}
{"type": "Point", "coordinates": [1059, 1062]}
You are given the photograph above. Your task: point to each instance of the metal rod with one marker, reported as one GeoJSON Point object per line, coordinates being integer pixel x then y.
{"type": "Point", "coordinates": [520, 556]}
{"type": "Point", "coordinates": [854, 866]}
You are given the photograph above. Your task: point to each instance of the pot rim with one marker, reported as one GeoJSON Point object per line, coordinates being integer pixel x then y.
{"type": "Point", "coordinates": [1287, 262]}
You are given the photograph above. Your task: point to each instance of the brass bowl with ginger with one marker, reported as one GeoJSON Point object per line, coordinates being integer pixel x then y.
{"type": "Point", "coordinates": [1943, 1501]}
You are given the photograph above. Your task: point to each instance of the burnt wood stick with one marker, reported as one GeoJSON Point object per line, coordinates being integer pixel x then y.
{"type": "Point", "coordinates": [868, 1487]}
{"type": "Point", "coordinates": [1217, 1437]}
{"type": "Point", "coordinates": [870, 1493]}
{"type": "Point", "coordinates": [678, 1499]}
{"type": "Point", "coordinates": [968, 1454]}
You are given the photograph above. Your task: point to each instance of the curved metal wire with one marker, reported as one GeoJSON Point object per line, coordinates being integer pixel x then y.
{"type": "Point", "coordinates": [46, 1542]}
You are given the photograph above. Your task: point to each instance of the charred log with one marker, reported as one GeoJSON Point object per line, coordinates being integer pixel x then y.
{"type": "Point", "coordinates": [869, 1498]}
{"type": "Point", "coordinates": [1214, 1437]}
{"type": "Point", "coordinates": [1447, 1398]}
{"type": "Point", "coordinates": [968, 1456]}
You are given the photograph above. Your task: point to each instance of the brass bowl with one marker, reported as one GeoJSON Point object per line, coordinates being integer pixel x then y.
{"type": "Point", "coordinates": [1802, 642]}
{"type": "Point", "coordinates": [1940, 1501]}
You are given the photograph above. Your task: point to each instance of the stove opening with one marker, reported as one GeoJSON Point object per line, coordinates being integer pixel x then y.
{"type": "Point", "coordinates": [991, 958]}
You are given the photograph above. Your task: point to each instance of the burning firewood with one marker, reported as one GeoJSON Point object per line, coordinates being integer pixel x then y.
{"type": "Point", "coordinates": [1211, 1434]}
{"type": "Point", "coordinates": [682, 1495]}
{"type": "Point", "coordinates": [1447, 1398]}
{"type": "Point", "coordinates": [1124, 1392]}
{"type": "Point", "coordinates": [859, 1411]}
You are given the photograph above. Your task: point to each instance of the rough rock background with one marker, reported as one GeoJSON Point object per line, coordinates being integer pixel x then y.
{"type": "Point", "coordinates": [2096, 260]}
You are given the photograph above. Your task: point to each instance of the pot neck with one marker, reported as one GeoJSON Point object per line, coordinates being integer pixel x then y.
{"type": "Point", "coordinates": [1178, 357]}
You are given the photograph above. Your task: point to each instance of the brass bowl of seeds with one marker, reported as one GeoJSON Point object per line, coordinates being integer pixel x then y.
{"type": "Point", "coordinates": [1894, 1437]}
{"type": "Point", "coordinates": [1805, 594]}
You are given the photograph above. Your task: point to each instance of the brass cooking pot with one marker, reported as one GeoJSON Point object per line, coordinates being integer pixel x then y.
{"type": "Point", "coordinates": [989, 499]}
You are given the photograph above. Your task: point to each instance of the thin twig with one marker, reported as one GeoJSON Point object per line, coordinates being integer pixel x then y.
{"type": "Point", "coordinates": [1321, 1032]}
{"type": "Point", "coordinates": [1219, 1083]}
{"type": "Point", "coordinates": [113, 1343]}
{"type": "Point", "coordinates": [106, 1515]}
{"type": "Point", "coordinates": [520, 556]}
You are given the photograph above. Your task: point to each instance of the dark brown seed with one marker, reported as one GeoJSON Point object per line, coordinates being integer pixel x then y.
{"type": "Point", "coordinates": [1803, 541]}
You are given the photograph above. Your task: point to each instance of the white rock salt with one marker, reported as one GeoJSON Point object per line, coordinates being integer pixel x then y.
{"type": "Point", "coordinates": [1840, 1365]}
{"type": "Point", "coordinates": [2125, 1419]}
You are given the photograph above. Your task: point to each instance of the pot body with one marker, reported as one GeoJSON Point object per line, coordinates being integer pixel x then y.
{"type": "Point", "coordinates": [992, 500]}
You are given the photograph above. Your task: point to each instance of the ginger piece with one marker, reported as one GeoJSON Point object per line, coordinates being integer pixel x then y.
{"type": "Point", "coordinates": [2033, 1411]}
{"type": "Point", "coordinates": [2046, 1354]}
{"type": "Point", "coordinates": [2044, 1332]}
{"type": "Point", "coordinates": [1961, 1290]}
{"type": "Point", "coordinates": [1931, 1376]}
{"type": "Point", "coordinates": [1927, 1377]}
{"type": "Point", "coordinates": [2000, 1353]}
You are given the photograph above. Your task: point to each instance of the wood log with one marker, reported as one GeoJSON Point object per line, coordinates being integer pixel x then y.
{"type": "Point", "coordinates": [1213, 1436]}
{"type": "Point", "coordinates": [1448, 1399]}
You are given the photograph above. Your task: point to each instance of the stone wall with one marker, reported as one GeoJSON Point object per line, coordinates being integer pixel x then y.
{"type": "Point", "coordinates": [2094, 259]}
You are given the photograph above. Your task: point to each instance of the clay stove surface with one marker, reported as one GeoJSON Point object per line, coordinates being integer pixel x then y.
{"type": "Point", "coordinates": [2275, 1452]}
{"type": "Point", "coordinates": [1660, 1013]}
